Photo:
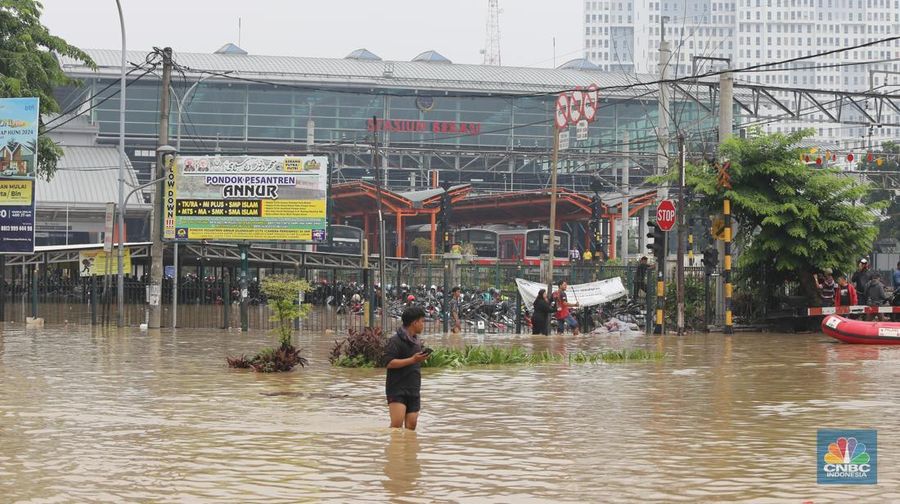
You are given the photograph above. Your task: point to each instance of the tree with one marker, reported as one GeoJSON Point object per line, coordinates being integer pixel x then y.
{"type": "Point", "coordinates": [889, 226]}
{"type": "Point", "coordinates": [792, 219]}
{"type": "Point", "coordinates": [29, 67]}
{"type": "Point", "coordinates": [282, 291]}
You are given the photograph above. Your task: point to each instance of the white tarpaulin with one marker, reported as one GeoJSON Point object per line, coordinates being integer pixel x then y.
{"type": "Point", "coordinates": [589, 294]}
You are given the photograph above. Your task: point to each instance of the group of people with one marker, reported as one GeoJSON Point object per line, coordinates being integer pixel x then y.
{"type": "Point", "coordinates": [558, 307]}
{"type": "Point", "coordinates": [864, 287]}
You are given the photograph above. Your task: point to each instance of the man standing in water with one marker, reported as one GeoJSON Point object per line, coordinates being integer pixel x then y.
{"type": "Point", "coordinates": [403, 356]}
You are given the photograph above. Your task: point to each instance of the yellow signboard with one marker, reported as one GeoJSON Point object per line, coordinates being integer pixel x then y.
{"type": "Point", "coordinates": [16, 192]}
{"type": "Point", "coordinates": [100, 262]}
{"type": "Point", "coordinates": [236, 198]}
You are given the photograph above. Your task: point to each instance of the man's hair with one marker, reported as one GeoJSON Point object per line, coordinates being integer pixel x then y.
{"type": "Point", "coordinates": [455, 289]}
{"type": "Point", "coordinates": [412, 314]}
{"type": "Point", "coordinates": [561, 282]}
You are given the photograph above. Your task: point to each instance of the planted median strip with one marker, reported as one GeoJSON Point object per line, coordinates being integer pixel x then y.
{"type": "Point", "coordinates": [360, 351]}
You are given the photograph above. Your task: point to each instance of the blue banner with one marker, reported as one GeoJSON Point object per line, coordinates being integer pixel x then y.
{"type": "Point", "coordinates": [18, 162]}
{"type": "Point", "coordinates": [16, 215]}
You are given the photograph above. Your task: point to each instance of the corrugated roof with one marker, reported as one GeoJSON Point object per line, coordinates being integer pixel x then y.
{"type": "Point", "coordinates": [87, 176]}
{"type": "Point", "coordinates": [356, 72]}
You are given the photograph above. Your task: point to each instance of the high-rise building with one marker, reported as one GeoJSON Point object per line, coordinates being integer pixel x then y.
{"type": "Point", "coordinates": [625, 35]}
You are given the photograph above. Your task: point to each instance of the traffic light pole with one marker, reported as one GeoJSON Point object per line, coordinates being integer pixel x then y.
{"type": "Point", "coordinates": [659, 328]}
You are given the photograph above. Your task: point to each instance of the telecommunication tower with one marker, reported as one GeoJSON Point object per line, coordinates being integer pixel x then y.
{"type": "Point", "coordinates": [491, 49]}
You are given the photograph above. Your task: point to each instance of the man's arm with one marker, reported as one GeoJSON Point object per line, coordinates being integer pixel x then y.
{"type": "Point", "coordinates": [402, 363]}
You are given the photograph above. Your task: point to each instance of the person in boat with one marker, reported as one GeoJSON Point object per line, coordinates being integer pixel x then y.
{"type": "Point", "coordinates": [845, 293]}
{"type": "Point", "coordinates": [875, 296]}
{"type": "Point", "coordinates": [540, 315]}
{"type": "Point", "coordinates": [827, 287]}
{"type": "Point", "coordinates": [896, 278]}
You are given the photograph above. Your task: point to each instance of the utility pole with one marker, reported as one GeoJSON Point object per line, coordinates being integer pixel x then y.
{"type": "Point", "coordinates": [120, 312]}
{"type": "Point", "coordinates": [726, 109]}
{"type": "Point", "coordinates": [626, 220]}
{"type": "Point", "coordinates": [662, 157]}
{"type": "Point", "coordinates": [156, 247]}
{"type": "Point", "coordinates": [552, 240]}
{"type": "Point", "coordinates": [680, 257]}
{"type": "Point", "coordinates": [382, 258]}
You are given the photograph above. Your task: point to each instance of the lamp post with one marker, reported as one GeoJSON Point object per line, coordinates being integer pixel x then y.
{"type": "Point", "coordinates": [120, 314]}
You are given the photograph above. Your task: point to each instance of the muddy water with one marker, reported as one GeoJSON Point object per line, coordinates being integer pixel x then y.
{"type": "Point", "coordinates": [127, 417]}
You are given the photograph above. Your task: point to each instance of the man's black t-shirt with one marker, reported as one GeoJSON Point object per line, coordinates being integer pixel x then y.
{"type": "Point", "coordinates": [406, 380]}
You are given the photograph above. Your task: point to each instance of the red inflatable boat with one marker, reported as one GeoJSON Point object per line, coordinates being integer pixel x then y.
{"type": "Point", "coordinates": [857, 331]}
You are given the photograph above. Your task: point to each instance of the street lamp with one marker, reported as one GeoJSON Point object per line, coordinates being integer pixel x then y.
{"type": "Point", "coordinates": [120, 315]}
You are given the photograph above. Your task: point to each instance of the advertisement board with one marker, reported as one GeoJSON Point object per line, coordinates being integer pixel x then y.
{"type": "Point", "coordinates": [18, 161]}
{"type": "Point", "coordinates": [255, 198]}
{"type": "Point", "coordinates": [101, 263]}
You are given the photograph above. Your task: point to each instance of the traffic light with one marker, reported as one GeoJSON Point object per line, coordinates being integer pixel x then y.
{"type": "Point", "coordinates": [710, 259]}
{"type": "Point", "coordinates": [658, 247]}
{"type": "Point", "coordinates": [595, 227]}
{"type": "Point", "coordinates": [444, 221]}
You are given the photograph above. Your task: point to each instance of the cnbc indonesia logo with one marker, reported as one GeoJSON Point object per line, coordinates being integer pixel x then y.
{"type": "Point", "coordinates": [847, 458]}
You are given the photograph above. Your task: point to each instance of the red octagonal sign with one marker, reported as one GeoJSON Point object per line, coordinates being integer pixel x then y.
{"type": "Point", "coordinates": [665, 215]}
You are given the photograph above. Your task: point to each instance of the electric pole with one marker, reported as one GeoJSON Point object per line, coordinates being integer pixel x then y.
{"type": "Point", "coordinates": [552, 238]}
{"type": "Point", "coordinates": [626, 220]}
{"type": "Point", "coordinates": [680, 257]}
{"type": "Point", "coordinates": [156, 247]}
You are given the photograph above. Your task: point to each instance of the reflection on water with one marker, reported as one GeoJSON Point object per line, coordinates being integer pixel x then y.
{"type": "Point", "coordinates": [94, 415]}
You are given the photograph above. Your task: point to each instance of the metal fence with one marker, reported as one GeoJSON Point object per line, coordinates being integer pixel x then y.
{"type": "Point", "coordinates": [213, 302]}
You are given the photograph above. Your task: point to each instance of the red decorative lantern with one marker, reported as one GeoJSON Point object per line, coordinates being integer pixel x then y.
{"type": "Point", "coordinates": [850, 157]}
{"type": "Point", "coordinates": [818, 160]}
{"type": "Point", "coordinates": [834, 157]}
{"type": "Point", "coordinates": [806, 158]}
{"type": "Point", "coordinates": [870, 157]}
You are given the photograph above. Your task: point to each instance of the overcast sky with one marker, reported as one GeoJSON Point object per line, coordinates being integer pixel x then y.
{"type": "Point", "coordinates": [393, 29]}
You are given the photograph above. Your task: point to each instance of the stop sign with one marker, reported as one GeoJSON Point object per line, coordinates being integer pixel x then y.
{"type": "Point", "coordinates": [665, 215]}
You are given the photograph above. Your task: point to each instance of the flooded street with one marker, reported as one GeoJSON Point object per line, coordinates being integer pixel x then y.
{"type": "Point", "coordinates": [131, 416]}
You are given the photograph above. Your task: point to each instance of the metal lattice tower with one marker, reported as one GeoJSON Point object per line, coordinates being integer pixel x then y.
{"type": "Point", "coordinates": [491, 49]}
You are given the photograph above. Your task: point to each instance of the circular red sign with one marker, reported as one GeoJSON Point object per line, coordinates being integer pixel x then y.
{"type": "Point", "coordinates": [665, 215]}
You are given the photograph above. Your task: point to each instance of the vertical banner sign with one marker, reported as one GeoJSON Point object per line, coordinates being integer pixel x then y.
{"type": "Point", "coordinates": [18, 161]}
{"type": "Point", "coordinates": [108, 227]}
{"type": "Point", "coordinates": [255, 198]}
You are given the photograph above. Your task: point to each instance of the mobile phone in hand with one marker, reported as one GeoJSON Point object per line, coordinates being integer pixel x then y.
{"type": "Point", "coordinates": [427, 351]}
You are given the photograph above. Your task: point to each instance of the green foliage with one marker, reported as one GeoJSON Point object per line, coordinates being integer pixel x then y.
{"type": "Point", "coordinates": [694, 302]}
{"type": "Point", "coordinates": [359, 349]}
{"type": "Point", "coordinates": [283, 292]}
{"type": "Point", "coordinates": [472, 355]}
{"type": "Point", "coordinates": [889, 226]}
{"type": "Point", "coordinates": [270, 360]}
{"type": "Point", "coordinates": [791, 220]}
{"type": "Point", "coordinates": [29, 67]}
{"type": "Point", "coordinates": [612, 356]}
{"type": "Point", "coordinates": [423, 245]}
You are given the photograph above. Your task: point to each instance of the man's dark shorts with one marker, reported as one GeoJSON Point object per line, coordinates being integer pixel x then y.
{"type": "Point", "coordinates": [413, 403]}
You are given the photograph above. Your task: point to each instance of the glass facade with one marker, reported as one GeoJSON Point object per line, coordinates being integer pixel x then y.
{"type": "Point", "coordinates": [254, 113]}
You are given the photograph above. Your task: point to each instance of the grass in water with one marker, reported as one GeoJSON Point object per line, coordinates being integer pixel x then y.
{"type": "Point", "coordinates": [492, 355]}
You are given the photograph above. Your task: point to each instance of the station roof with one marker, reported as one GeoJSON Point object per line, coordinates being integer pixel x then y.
{"type": "Point", "coordinates": [522, 207]}
{"type": "Point", "coordinates": [359, 196]}
{"type": "Point", "coordinates": [87, 177]}
{"type": "Point", "coordinates": [365, 72]}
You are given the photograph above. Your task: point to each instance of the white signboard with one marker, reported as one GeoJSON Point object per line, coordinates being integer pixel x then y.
{"type": "Point", "coordinates": [564, 140]}
{"type": "Point", "coordinates": [581, 131]}
{"type": "Point", "coordinates": [108, 228]}
{"type": "Point", "coordinates": [589, 294]}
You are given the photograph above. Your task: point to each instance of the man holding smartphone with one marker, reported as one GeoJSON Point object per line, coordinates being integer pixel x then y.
{"type": "Point", "coordinates": [403, 356]}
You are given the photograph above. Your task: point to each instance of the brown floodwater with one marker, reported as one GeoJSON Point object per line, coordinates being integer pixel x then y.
{"type": "Point", "coordinates": [105, 416]}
